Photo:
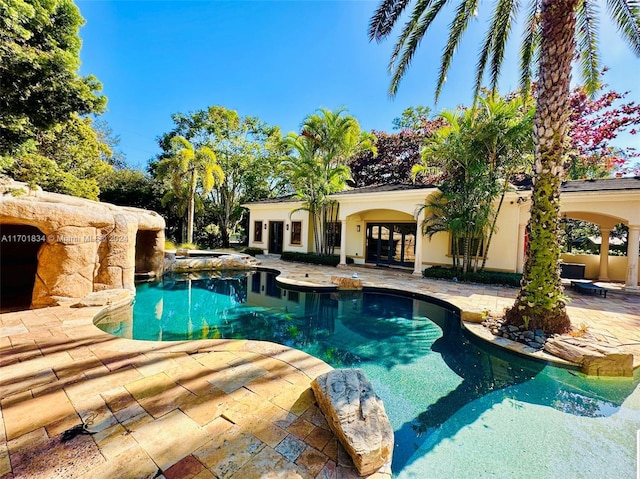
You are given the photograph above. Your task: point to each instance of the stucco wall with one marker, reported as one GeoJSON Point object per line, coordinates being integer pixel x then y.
{"type": "Point", "coordinates": [617, 265]}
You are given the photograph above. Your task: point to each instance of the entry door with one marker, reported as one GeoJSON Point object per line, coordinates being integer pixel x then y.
{"type": "Point", "coordinates": [276, 236]}
{"type": "Point", "coordinates": [391, 243]}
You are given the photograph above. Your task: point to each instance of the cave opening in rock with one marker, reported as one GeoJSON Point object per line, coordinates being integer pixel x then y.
{"type": "Point", "coordinates": [149, 254]}
{"type": "Point", "coordinates": [19, 245]}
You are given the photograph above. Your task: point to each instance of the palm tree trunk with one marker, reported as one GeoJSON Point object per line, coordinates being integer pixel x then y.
{"type": "Point", "coordinates": [540, 303]}
{"type": "Point", "coordinates": [493, 225]}
{"type": "Point", "coordinates": [192, 207]}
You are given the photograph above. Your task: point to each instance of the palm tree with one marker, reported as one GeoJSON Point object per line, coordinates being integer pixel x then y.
{"type": "Point", "coordinates": [481, 148]}
{"type": "Point", "coordinates": [551, 30]}
{"type": "Point", "coordinates": [189, 164]}
{"type": "Point", "coordinates": [318, 169]}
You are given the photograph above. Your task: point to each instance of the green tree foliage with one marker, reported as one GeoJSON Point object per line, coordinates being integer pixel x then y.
{"type": "Point", "coordinates": [39, 61]}
{"type": "Point", "coordinates": [191, 172]}
{"type": "Point", "coordinates": [318, 168]}
{"type": "Point", "coordinates": [67, 158]}
{"type": "Point", "coordinates": [555, 32]}
{"type": "Point", "coordinates": [249, 153]}
{"type": "Point", "coordinates": [413, 118]}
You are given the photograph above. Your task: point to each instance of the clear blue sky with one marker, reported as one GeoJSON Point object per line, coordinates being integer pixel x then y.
{"type": "Point", "coordinates": [279, 61]}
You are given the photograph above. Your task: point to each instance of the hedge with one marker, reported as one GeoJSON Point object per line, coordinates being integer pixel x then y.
{"type": "Point", "coordinates": [484, 277]}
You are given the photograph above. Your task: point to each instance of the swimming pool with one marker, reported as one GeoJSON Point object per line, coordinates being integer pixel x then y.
{"type": "Point", "coordinates": [458, 409]}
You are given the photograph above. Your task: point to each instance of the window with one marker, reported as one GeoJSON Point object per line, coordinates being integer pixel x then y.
{"type": "Point", "coordinates": [257, 231]}
{"type": "Point", "coordinates": [474, 246]}
{"type": "Point", "coordinates": [334, 233]}
{"type": "Point", "coordinates": [296, 232]}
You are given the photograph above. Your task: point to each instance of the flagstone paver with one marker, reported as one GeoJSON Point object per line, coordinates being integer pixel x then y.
{"type": "Point", "coordinates": [201, 409]}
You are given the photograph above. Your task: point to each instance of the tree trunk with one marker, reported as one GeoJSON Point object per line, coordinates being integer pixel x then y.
{"type": "Point", "coordinates": [192, 207]}
{"type": "Point", "coordinates": [540, 302]}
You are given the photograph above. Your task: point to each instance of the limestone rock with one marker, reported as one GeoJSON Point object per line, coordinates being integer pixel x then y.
{"type": "Point", "coordinates": [86, 245]}
{"type": "Point", "coordinates": [104, 298]}
{"type": "Point", "coordinates": [357, 417]}
{"type": "Point", "coordinates": [346, 283]}
{"type": "Point", "coordinates": [227, 261]}
{"type": "Point", "coordinates": [477, 316]}
{"type": "Point", "coordinates": [593, 358]}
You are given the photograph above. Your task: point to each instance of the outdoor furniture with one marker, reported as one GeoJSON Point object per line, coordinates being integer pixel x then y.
{"type": "Point", "coordinates": [588, 288]}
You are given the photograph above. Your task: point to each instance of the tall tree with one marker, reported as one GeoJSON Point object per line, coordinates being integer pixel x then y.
{"type": "Point", "coordinates": [184, 167]}
{"type": "Point", "coordinates": [247, 151]}
{"type": "Point", "coordinates": [318, 168]}
{"type": "Point", "coordinates": [413, 118]}
{"type": "Point", "coordinates": [39, 63]}
{"type": "Point", "coordinates": [551, 30]}
{"type": "Point", "coordinates": [594, 123]}
{"type": "Point", "coordinates": [396, 155]}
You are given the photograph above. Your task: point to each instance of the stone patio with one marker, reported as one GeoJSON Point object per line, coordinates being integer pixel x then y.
{"type": "Point", "coordinates": [201, 409]}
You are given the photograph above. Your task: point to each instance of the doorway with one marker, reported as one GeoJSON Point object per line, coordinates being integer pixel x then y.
{"type": "Point", "coordinates": [276, 236]}
{"type": "Point", "coordinates": [391, 244]}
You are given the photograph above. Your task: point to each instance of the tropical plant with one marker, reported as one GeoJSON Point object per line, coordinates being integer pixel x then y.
{"type": "Point", "coordinates": [318, 168]}
{"type": "Point", "coordinates": [184, 167]}
{"type": "Point", "coordinates": [551, 30]}
{"type": "Point", "coordinates": [475, 155]}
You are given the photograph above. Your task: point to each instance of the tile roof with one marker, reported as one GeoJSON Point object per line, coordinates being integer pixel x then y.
{"type": "Point", "coordinates": [605, 184]}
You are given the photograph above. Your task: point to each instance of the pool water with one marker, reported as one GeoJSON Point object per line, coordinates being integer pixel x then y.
{"type": "Point", "coordinates": [458, 409]}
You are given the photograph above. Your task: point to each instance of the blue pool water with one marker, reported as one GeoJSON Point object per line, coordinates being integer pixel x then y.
{"type": "Point", "coordinates": [458, 410]}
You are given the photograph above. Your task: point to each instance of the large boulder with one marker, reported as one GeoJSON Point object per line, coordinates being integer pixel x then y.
{"type": "Point", "coordinates": [347, 283]}
{"type": "Point", "coordinates": [594, 359]}
{"type": "Point", "coordinates": [357, 417]}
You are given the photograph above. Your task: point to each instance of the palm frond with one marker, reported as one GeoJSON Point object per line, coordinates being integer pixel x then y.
{"type": "Point", "coordinates": [385, 17]}
{"type": "Point", "coordinates": [465, 11]}
{"type": "Point", "coordinates": [587, 34]}
{"type": "Point", "coordinates": [529, 48]}
{"type": "Point", "coordinates": [409, 40]}
{"type": "Point", "coordinates": [626, 16]}
{"type": "Point", "coordinates": [504, 19]}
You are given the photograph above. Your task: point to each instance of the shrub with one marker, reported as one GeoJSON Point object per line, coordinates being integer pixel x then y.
{"type": "Point", "coordinates": [312, 258]}
{"type": "Point", "coordinates": [252, 251]}
{"type": "Point", "coordinates": [169, 245]}
{"type": "Point", "coordinates": [484, 277]}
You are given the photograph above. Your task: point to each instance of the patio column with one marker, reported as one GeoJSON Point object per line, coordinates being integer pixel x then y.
{"type": "Point", "coordinates": [632, 258]}
{"type": "Point", "coordinates": [604, 255]}
{"type": "Point", "coordinates": [343, 244]}
{"type": "Point", "coordinates": [417, 261]}
{"type": "Point", "coordinates": [520, 256]}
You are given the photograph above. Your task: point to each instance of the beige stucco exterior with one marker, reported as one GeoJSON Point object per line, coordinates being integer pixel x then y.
{"type": "Point", "coordinates": [360, 208]}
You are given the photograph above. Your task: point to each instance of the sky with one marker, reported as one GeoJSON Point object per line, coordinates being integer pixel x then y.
{"type": "Point", "coordinates": [281, 60]}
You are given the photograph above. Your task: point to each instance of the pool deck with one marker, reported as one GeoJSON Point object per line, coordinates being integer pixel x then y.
{"type": "Point", "coordinates": [202, 409]}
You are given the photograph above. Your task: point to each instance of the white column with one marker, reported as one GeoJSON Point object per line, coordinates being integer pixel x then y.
{"type": "Point", "coordinates": [632, 258]}
{"type": "Point", "coordinates": [417, 262]}
{"type": "Point", "coordinates": [604, 255]}
{"type": "Point", "coordinates": [520, 253]}
{"type": "Point", "coordinates": [343, 243]}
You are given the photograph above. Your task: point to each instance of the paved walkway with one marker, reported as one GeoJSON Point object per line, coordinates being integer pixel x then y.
{"type": "Point", "coordinates": [202, 409]}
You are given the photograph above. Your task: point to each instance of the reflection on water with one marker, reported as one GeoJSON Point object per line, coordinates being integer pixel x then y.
{"type": "Point", "coordinates": [427, 372]}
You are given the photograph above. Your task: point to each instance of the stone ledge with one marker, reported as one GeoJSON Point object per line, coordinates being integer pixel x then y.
{"type": "Point", "coordinates": [595, 359]}
{"type": "Point", "coordinates": [357, 417]}
{"type": "Point", "coordinates": [346, 283]}
{"type": "Point", "coordinates": [105, 297]}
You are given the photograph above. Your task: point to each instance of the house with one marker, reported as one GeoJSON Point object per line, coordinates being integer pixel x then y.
{"type": "Point", "coordinates": [377, 225]}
